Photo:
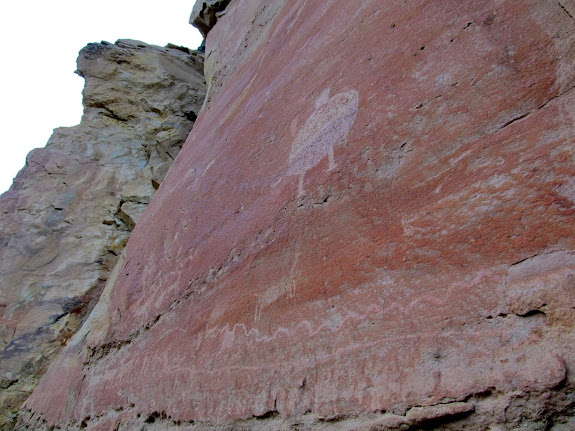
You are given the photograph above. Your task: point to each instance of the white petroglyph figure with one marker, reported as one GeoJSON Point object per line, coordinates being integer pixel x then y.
{"type": "Point", "coordinates": [327, 126]}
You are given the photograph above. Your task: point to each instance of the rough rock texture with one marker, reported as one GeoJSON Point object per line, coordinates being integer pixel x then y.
{"type": "Point", "coordinates": [371, 227]}
{"type": "Point", "coordinates": [70, 210]}
{"type": "Point", "coordinates": [205, 14]}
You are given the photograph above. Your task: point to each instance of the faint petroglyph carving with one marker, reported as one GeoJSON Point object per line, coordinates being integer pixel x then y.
{"type": "Point", "coordinates": [273, 293]}
{"type": "Point", "coordinates": [327, 126]}
{"type": "Point", "coordinates": [285, 286]}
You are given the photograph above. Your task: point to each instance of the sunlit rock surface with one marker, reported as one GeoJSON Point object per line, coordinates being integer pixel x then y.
{"type": "Point", "coordinates": [371, 226]}
{"type": "Point", "coordinates": [70, 210]}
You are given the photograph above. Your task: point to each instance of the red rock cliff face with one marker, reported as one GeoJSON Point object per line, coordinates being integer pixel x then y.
{"type": "Point", "coordinates": [370, 227]}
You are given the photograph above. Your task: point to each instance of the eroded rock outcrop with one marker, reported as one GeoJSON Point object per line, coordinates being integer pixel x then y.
{"type": "Point", "coordinates": [205, 14]}
{"type": "Point", "coordinates": [70, 210]}
{"type": "Point", "coordinates": [370, 228]}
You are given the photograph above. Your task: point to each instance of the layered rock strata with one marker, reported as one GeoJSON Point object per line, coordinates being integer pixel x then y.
{"type": "Point", "coordinates": [369, 228]}
{"type": "Point", "coordinates": [71, 209]}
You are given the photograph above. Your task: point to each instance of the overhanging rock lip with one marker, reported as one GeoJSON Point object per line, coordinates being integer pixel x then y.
{"type": "Point", "coordinates": [205, 14]}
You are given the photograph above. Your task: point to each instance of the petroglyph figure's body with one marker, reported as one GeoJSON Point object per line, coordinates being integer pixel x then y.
{"type": "Point", "coordinates": [325, 127]}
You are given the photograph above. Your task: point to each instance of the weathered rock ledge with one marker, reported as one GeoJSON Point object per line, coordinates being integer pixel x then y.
{"type": "Point", "coordinates": [205, 14]}
{"type": "Point", "coordinates": [71, 209]}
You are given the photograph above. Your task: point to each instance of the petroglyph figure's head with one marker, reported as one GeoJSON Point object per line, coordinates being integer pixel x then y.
{"type": "Point", "coordinates": [327, 126]}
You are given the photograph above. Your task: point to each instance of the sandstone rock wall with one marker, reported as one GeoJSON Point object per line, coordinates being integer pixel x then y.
{"type": "Point", "coordinates": [71, 209]}
{"type": "Point", "coordinates": [370, 228]}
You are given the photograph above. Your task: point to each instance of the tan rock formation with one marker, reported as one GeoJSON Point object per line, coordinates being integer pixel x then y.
{"type": "Point", "coordinates": [205, 14]}
{"type": "Point", "coordinates": [371, 227]}
{"type": "Point", "coordinates": [70, 210]}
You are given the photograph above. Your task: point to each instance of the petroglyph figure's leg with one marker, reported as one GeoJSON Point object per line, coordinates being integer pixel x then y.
{"type": "Point", "coordinates": [292, 278]}
{"type": "Point", "coordinates": [330, 157]}
{"type": "Point", "coordinates": [300, 188]}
